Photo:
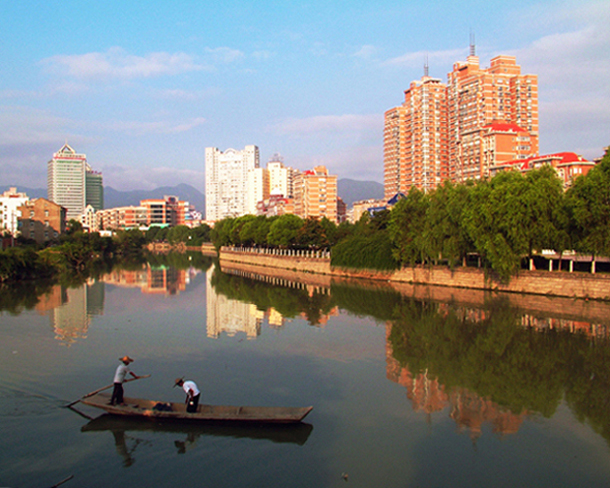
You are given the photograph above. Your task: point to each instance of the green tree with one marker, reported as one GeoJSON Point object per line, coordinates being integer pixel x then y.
{"type": "Point", "coordinates": [221, 233]}
{"type": "Point", "coordinates": [494, 222]}
{"type": "Point", "coordinates": [544, 220]}
{"type": "Point", "coordinates": [179, 233]}
{"type": "Point", "coordinates": [283, 231]}
{"type": "Point", "coordinates": [406, 228]}
{"type": "Point", "coordinates": [312, 235]}
{"type": "Point", "coordinates": [445, 234]}
{"type": "Point", "coordinates": [589, 207]}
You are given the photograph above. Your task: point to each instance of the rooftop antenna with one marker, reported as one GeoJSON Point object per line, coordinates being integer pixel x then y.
{"type": "Point", "coordinates": [472, 51]}
{"type": "Point", "coordinates": [426, 70]}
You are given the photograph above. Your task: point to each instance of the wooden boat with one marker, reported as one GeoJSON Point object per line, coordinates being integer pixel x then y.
{"type": "Point", "coordinates": [138, 407]}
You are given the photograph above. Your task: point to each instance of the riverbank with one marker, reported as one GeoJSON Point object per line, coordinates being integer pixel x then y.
{"type": "Point", "coordinates": [547, 283]}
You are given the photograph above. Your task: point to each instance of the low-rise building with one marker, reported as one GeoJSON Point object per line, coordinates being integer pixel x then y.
{"type": "Point", "coordinates": [568, 165]}
{"type": "Point", "coordinates": [42, 220]}
{"type": "Point", "coordinates": [10, 201]}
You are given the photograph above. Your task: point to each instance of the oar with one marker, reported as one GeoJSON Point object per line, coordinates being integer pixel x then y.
{"type": "Point", "coordinates": [63, 481]}
{"type": "Point", "coordinates": [104, 388]}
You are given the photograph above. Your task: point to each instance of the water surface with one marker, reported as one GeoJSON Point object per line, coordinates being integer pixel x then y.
{"type": "Point", "coordinates": [410, 388]}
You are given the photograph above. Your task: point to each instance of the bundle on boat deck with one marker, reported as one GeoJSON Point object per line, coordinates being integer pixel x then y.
{"type": "Point", "coordinates": [139, 407]}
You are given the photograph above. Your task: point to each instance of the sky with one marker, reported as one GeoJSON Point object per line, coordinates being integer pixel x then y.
{"type": "Point", "coordinates": [143, 87]}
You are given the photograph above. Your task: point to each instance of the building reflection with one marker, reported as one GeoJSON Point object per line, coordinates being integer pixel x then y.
{"type": "Point", "coordinates": [469, 410]}
{"type": "Point", "coordinates": [70, 310]}
{"type": "Point", "coordinates": [229, 316]}
{"type": "Point", "coordinates": [162, 280]}
{"type": "Point", "coordinates": [232, 316]}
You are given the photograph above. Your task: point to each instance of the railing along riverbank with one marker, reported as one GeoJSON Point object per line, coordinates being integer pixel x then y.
{"type": "Point", "coordinates": [549, 283]}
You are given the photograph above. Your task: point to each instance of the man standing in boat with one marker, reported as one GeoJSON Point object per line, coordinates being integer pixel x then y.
{"type": "Point", "coordinates": [119, 377]}
{"type": "Point", "coordinates": [192, 394]}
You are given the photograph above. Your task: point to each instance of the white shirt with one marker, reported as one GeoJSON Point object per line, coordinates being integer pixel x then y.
{"type": "Point", "coordinates": [121, 372]}
{"type": "Point", "coordinates": [190, 385]}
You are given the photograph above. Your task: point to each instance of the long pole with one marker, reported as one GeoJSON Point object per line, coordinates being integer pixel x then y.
{"type": "Point", "coordinates": [104, 388]}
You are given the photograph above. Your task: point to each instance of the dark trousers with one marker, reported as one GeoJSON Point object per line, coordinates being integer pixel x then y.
{"type": "Point", "coordinates": [191, 405]}
{"type": "Point", "coordinates": [117, 394]}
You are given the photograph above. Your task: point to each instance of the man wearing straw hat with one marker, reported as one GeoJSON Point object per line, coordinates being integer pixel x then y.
{"type": "Point", "coordinates": [119, 377]}
{"type": "Point", "coordinates": [192, 394]}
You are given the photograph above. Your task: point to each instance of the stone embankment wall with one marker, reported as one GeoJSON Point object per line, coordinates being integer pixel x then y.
{"type": "Point", "coordinates": [547, 283]}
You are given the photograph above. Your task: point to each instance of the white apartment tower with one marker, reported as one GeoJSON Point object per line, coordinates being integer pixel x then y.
{"type": "Point", "coordinates": [72, 183]}
{"type": "Point", "coordinates": [226, 181]}
{"type": "Point", "coordinates": [258, 188]}
{"type": "Point", "coordinates": [280, 177]}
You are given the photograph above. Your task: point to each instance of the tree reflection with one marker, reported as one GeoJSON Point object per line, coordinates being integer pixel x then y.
{"type": "Point", "coordinates": [489, 352]}
{"type": "Point", "coordinates": [313, 303]}
{"type": "Point", "coordinates": [494, 356]}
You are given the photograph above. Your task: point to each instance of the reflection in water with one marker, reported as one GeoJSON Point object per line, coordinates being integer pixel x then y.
{"type": "Point", "coordinates": [164, 280]}
{"type": "Point", "coordinates": [484, 359]}
{"type": "Point", "coordinates": [230, 316]}
{"type": "Point", "coordinates": [241, 297]}
{"type": "Point", "coordinates": [185, 434]}
{"type": "Point", "coordinates": [489, 367]}
{"type": "Point", "coordinates": [70, 310]}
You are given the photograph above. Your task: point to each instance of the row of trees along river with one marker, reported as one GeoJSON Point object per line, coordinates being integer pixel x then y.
{"type": "Point", "coordinates": [77, 254]}
{"type": "Point", "coordinates": [504, 221]}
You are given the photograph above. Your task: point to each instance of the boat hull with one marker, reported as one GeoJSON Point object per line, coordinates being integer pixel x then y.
{"type": "Point", "coordinates": [138, 407]}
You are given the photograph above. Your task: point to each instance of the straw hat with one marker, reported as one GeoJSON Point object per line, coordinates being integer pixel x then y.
{"type": "Point", "coordinates": [178, 381]}
{"type": "Point", "coordinates": [126, 359]}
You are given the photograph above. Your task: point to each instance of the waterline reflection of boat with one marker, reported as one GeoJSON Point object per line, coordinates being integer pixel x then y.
{"type": "Point", "coordinates": [278, 433]}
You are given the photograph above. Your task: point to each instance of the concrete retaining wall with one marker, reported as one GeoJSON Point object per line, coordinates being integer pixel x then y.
{"type": "Point", "coordinates": [548, 283]}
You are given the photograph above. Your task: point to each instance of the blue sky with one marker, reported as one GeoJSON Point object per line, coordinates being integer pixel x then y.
{"type": "Point", "coordinates": [142, 88]}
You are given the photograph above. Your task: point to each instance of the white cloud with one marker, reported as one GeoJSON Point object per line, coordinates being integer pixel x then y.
{"type": "Point", "coordinates": [139, 128]}
{"type": "Point", "coordinates": [262, 55]}
{"type": "Point", "coordinates": [418, 59]}
{"type": "Point", "coordinates": [224, 54]}
{"type": "Point", "coordinates": [366, 52]}
{"type": "Point", "coordinates": [117, 63]}
{"type": "Point", "coordinates": [22, 125]}
{"type": "Point", "coordinates": [329, 125]}
{"type": "Point", "coordinates": [572, 61]}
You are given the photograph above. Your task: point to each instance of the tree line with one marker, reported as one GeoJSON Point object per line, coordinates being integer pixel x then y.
{"type": "Point", "coordinates": [82, 252]}
{"type": "Point", "coordinates": [501, 221]}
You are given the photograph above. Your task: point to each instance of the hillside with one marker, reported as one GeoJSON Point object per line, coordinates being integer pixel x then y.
{"type": "Point", "coordinates": [349, 190]}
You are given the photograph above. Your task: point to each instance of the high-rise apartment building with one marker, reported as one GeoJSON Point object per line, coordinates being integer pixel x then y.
{"type": "Point", "coordinates": [226, 181]}
{"type": "Point", "coordinates": [415, 139]}
{"type": "Point", "coordinates": [72, 183]}
{"type": "Point", "coordinates": [459, 130]}
{"type": "Point", "coordinates": [257, 188]}
{"type": "Point", "coordinates": [280, 177]}
{"type": "Point", "coordinates": [478, 97]}
{"type": "Point", "coordinates": [315, 194]}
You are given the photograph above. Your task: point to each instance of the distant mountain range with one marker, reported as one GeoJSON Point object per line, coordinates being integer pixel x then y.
{"type": "Point", "coordinates": [349, 190]}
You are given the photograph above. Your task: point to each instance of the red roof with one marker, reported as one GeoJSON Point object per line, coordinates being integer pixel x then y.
{"type": "Point", "coordinates": [560, 158]}
{"type": "Point", "coordinates": [504, 127]}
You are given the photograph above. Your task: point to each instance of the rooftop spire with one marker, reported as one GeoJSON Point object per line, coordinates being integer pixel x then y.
{"type": "Point", "coordinates": [472, 46]}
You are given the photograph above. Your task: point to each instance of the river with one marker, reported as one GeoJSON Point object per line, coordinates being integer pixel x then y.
{"type": "Point", "coordinates": [409, 389]}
